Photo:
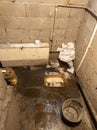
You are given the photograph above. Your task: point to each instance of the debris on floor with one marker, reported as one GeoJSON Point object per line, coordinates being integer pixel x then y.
{"type": "Point", "coordinates": [10, 76]}
{"type": "Point", "coordinates": [53, 64]}
{"type": "Point", "coordinates": [38, 107]}
{"type": "Point", "coordinates": [55, 76]}
{"type": "Point", "coordinates": [62, 71]}
{"type": "Point", "coordinates": [67, 55]}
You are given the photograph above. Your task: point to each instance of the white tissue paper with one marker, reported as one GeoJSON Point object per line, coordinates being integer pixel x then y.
{"type": "Point", "coordinates": [67, 54]}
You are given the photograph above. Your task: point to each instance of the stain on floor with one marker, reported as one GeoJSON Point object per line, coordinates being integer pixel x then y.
{"type": "Point", "coordinates": [39, 107]}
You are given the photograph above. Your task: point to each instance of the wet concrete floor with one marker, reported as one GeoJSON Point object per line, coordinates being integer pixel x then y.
{"type": "Point", "coordinates": [41, 106]}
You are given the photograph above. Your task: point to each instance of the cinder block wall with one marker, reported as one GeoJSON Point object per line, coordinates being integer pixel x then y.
{"type": "Point", "coordinates": [24, 21]}
{"type": "Point", "coordinates": [85, 32]}
{"type": "Point", "coordinates": [87, 73]}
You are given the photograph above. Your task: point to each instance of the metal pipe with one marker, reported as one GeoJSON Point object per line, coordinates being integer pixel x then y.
{"type": "Point", "coordinates": [91, 12]}
{"type": "Point", "coordinates": [72, 6]}
{"type": "Point", "coordinates": [80, 7]}
{"type": "Point", "coordinates": [53, 32]}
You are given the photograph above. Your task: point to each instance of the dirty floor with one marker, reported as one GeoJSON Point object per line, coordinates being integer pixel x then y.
{"type": "Point", "coordinates": [38, 107]}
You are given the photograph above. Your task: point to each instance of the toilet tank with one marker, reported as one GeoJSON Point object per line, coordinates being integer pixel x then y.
{"type": "Point", "coordinates": [28, 54]}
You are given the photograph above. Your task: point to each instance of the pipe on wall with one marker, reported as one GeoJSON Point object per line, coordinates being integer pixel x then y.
{"type": "Point", "coordinates": [72, 6]}
{"type": "Point", "coordinates": [80, 7]}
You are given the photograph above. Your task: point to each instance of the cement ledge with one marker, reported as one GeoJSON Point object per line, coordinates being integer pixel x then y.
{"type": "Point", "coordinates": [89, 104]}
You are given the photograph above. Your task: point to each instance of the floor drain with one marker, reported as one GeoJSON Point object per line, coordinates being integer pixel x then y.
{"type": "Point", "coordinates": [54, 80]}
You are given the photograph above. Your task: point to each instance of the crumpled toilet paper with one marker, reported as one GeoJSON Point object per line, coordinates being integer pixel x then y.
{"type": "Point", "coordinates": [67, 54]}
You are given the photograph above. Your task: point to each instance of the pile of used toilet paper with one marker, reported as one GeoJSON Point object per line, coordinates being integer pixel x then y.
{"type": "Point", "coordinates": [67, 55]}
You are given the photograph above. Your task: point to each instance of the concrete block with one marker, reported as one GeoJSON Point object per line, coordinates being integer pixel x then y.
{"type": "Point", "coordinates": [87, 74]}
{"type": "Point", "coordinates": [91, 59]}
{"type": "Point", "coordinates": [89, 21]}
{"type": "Point", "coordinates": [1, 22]}
{"type": "Point", "coordinates": [94, 46]}
{"type": "Point", "coordinates": [28, 1]}
{"type": "Point", "coordinates": [9, 22]}
{"type": "Point", "coordinates": [45, 35]}
{"type": "Point", "coordinates": [62, 12]}
{"type": "Point", "coordinates": [82, 47]}
{"type": "Point", "coordinates": [71, 35]}
{"type": "Point", "coordinates": [5, 0]}
{"type": "Point", "coordinates": [84, 35]}
{"type": "Point", "coordinates": [36, 23]}
{"type": "Point", "coordinates": [11, 9]}
{"type": "Point", "coordinates": [56, 44]}
{"type": "Point", "coordinates": [40, 10]}
{"type": "Point", "coordinates": [54, 1]}
{"type": "Point", "coordinates": [34, 35]}
{"type": "Point", "coordinates": [88, 71]}
{"type": "Point", "coordinates": [42, 35]}
{"type": "Point", "coordinates": [59, 38]}
{"type": "Point", "coordinates": [60, 35]}
{"type": "Point", "coordinates": [3, 37]}
{"type": "Point", "coordinates": [18, 35]}
{"type": "Point", "coordinates": [77, 12]}
{"type": "Point", "coordinates": [93, 5]}
{"type": "Point", "coordinates": [61, 23]}
{"type": "Point", "coordinates": [74, 22]}
{"type": "Point", "coordinates": [78, 2]}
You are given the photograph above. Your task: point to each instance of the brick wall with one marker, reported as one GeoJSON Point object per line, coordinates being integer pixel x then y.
{"type": "Point", "coordinates": [87, 73]}
{"type": "Point", "coordinates": [27, 20]}
{"type": "Point", "coordinates": [85, 32]}
{"type": "Point", "coordinates": [93, 5]}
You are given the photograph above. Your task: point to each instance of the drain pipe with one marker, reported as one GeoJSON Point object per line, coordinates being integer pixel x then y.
{"type": "Point", "coordinates": [53, 32]}
{"type": "Point", "coordinates": [72, 6]}
{"type": "Point", "coordinates": [89, 46]}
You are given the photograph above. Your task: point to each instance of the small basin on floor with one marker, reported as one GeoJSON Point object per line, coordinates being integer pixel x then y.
{"type": "Point", "coordinates": [72, 111]}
